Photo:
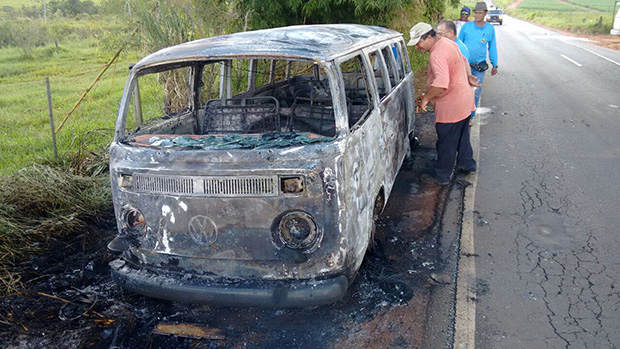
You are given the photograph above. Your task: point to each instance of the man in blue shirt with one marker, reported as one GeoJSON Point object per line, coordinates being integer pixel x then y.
{"type": "Point", "coordinates": [447, 29]}
{"type": "Point", "coordinates": [479, 36]}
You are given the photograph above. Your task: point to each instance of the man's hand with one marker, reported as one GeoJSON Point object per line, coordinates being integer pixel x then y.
{"type": "Point", "coordinates": [430, 95]}
{"type": "Point", "coordinates": [422, 104]}
{"type": "Point", "coordinates": [494, 71]}
{"type": "Point", "coordinates": [473, 81]}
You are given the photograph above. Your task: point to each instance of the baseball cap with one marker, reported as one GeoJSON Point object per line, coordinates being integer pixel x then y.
{"type": "Point", "coordinates": [481, 6]}
{"type": "Point", "coordinates": [417, 31]}
{"type": "Point", "coordinates": [466, 10]}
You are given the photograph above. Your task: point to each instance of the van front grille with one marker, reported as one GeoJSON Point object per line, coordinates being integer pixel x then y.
{"type": "Point", "coordinates": [241, 186]}
{"type": "Point", "coordinates": [206, 186]}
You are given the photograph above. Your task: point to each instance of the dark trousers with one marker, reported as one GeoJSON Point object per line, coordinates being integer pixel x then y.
{"type": "Point", "coordinates": [453, 144]}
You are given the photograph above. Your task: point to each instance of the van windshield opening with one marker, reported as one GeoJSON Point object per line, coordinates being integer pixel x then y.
{"type": "Point", "coordinates": [233, 103]}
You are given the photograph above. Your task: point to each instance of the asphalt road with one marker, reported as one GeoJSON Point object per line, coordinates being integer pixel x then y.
{"type": "Point", "coordinates": [546, 212]}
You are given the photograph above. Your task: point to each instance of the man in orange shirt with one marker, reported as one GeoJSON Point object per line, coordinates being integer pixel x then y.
{"type": "Point", "coordinates": [449, 90]}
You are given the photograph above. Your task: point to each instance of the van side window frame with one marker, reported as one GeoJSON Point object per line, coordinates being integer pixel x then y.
{"type": "Point", "coordinates": [369, 86]}
{"type": "Point", "coordinates": [390, 63]}
{"type": "Point", "coordinates": [402, 52]}
{"type": "Point", "coordinates": [399, 62]}
{"type": "Point", "coordinates": [381, 66]}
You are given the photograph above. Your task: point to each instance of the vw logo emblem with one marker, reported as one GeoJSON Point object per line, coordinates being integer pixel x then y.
{"type": "Point", "coordinates": [202, 230]}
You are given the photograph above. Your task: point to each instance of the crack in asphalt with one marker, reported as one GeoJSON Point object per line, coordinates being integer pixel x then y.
{"type": "Point", "coordinates": [570, 276]}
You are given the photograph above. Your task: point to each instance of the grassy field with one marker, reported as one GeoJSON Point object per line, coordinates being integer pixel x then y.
{"type": "Point", "coordinates": [547, 5]}
{"type": "Point", "coordinates": [605, 6]}
{"type": "Point", "coordinates": [554, 14]}
{"type": "Point", "coordinates": [17, 3]}
{"type": "Point", "coordinates": [27, 3]}
{"type": "Point", "coordinates": [25, 134]}
{"type": "Point", "coordinates": [600, 5]}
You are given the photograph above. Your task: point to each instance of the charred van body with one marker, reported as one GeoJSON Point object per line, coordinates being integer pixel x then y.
{"type": "Point", "coordinates": [248, 169]}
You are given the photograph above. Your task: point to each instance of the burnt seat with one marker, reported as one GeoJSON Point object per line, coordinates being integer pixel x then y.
{"type": "Point", "coordinates": [241, 115]}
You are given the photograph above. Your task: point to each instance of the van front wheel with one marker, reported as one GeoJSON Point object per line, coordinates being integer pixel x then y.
{"type": "Point", "coordinates": [378, 208]}
{"type": "Point", "coordinates": [409, 158]}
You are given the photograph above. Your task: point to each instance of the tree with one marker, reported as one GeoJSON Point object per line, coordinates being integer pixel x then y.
{"type": "Point", "coordinates": [268, 13]}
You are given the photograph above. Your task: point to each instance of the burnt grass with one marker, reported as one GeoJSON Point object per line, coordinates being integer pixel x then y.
{"type": "Point", "coordinates": [70, 301]}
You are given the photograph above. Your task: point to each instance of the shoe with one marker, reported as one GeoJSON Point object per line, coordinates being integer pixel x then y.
{"type": "Point", "coordinates": [465, 172]}
{"type": "Point", "coordinates": [430, 179]}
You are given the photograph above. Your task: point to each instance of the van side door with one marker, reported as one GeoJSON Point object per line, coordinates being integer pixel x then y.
{"type": "Point", "coordinates": [363, 165]}
{"type": "Point", "coordinates": [394, 114]}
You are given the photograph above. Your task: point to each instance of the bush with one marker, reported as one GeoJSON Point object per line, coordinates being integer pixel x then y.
{"type": "Point", "coordinates": [23, 33]}
{"type": "Point", "coordinates": [73, 8]}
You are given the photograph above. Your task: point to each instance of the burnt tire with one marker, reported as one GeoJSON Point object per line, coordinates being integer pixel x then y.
{"type": "Point", "coordinates": [414, 142]}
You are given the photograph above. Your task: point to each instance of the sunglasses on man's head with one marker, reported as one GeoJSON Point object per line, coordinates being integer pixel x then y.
{"type": "Point", "coordinates": [464, 12]}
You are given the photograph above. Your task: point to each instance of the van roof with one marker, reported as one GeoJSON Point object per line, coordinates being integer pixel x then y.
{"type": "Point", "coordinates": [316, 42]}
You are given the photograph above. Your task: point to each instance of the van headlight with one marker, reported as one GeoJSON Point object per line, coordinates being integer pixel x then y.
{"type": "Point", "coordinates": [134, 221]}
{"type": "Point", "coordinates": [297, 230]}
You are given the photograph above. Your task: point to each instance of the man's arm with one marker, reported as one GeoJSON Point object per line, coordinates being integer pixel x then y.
{"type": "Point", "coordinates": [430, 94]}
{"type": "Point", "coordinates": [493, 51]}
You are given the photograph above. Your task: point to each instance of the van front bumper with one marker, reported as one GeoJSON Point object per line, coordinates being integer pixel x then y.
{"type": "Point", "coordinates": [186, 288]}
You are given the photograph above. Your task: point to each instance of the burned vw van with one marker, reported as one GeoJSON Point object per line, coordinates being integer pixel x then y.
{"type": "Point", "coordinates": [248, 169]}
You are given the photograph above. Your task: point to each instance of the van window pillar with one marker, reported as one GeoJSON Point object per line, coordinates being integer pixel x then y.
{"type": "Point", "coordinates": [195, 89]}
{"type": "Point", "coordinates": [252, 75]}
{"type": "Point", "coordinates": [272, 72]}
{"type": "Point", "coordinates": [137, 103]}
{"type": "Point", "coordinates": [289, 64]}
{"type": "Point", "coordinates": [226, 80]}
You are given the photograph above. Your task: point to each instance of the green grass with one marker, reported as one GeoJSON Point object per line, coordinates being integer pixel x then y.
{"type": "Point", "coordinates": [25, 135]}
{"type": "Point", "coordinates": [600, 5]}
{"type": "Point", "coordinates": [606, 6]}
{"type": "Point", "coordinates": [553, 14]}
{"type": "Point", "coordinates": [42, 199]}
{"type": "Point", "coordinates": [28, 3]}
{"type": "Point", "coordinates": [575, 19]}
{"type": "Point", "coordinates": [17, 3]}
{"type": "Point", "coordinates": [546, 5]}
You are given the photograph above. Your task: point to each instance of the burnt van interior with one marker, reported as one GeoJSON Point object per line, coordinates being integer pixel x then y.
{"type": "Point", "coordinates": [237, 103]}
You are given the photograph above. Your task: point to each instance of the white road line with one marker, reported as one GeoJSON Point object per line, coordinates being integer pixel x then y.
{"type": "Point", "coordinates": [572, 61]}
{"type": "Point", "coordinates": [465, 323]}
{"type": "Point", "coordinates": [594, 53]}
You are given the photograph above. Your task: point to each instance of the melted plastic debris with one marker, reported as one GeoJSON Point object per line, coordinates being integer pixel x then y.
{"type": "Point", "coordinates": [268, 140]}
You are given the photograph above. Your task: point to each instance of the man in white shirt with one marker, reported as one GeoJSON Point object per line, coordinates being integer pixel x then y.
{"type": "Point", "coordinates": [465, 12]}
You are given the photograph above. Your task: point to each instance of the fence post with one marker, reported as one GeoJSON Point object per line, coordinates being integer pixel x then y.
{"type": "Point", "coordinates": [49, 105]}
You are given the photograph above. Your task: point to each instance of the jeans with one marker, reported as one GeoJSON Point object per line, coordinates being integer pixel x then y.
{"type": "Point", "coordinates": [478, 90]}
{"type": "Point", "coordinates": [453, 144]}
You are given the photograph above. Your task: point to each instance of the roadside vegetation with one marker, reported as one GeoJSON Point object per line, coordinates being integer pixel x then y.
{"type": "Point", "coordinates": [576, 16]}
{"type": "Point", "coordinates": [43, 198]}
{"type": "Point", "coordinates": [600, 5]}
